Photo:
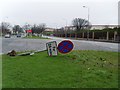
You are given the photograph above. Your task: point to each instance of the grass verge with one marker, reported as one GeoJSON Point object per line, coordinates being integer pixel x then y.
{"type": "Point", "coordinates": [78, 69]}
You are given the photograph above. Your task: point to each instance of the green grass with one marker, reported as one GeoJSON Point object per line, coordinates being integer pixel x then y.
{"type": "Point", "coordinates": [78, 69]}
{"type": "Point", "coordinates": [35, 37]}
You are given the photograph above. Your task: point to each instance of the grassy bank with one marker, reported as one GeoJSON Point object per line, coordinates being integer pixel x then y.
{"type": "Point", "coordinates": [78, 69]}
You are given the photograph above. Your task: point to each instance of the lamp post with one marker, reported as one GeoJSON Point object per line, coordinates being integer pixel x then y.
{"type": "Point", "coordinates": [88, 20]}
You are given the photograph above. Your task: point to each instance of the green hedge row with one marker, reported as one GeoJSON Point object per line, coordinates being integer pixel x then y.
{"type": "Point", "coordinates": [85, 31]}
{"type": "Point", "coordinates": [96, 30]}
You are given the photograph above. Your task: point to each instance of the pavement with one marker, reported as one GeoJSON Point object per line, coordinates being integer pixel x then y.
{"type": "Point", "coordinates": [20, 44]}
{"type": "Point", "coordinates": [91, 45]}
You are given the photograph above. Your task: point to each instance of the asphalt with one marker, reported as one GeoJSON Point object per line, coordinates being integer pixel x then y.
{"type": "Point", "coordinates": [20, 44]}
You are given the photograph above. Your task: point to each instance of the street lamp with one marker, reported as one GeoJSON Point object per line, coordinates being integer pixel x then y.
{"type": "Point", "coordinates": [88, 20]}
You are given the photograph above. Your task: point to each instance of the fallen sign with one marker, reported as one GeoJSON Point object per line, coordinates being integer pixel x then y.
{"type": "Point", "coordinates": [65, 46]}
{"type": "Point", "coordinates": [13, 53]}
{"type": "Point", "coordinates": [30, 53]}
{"type": "Point", "coordinates": [52, 48]}
{"type": "Point", "coordinates": [25, 54]}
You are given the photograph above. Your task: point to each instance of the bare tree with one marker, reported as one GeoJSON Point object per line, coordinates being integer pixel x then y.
{"type": "Point", "coordinates": [17, 29]}
{"type": "Point", "coordinates": [41, 27]}
{"type": "Point", "coordinates": [26, 27]}
{"type": "Point", "coordinates": [80, 23]}
{"type": "Point", "coordinates": [106, 26]}
{"type": "Point", "coordinates": [5, 27]}
{"type": "Point", "coordinates": [38, 29]}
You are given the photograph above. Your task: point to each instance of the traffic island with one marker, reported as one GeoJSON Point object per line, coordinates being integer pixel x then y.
{"type": "Point", "coordinates": [77, 69]}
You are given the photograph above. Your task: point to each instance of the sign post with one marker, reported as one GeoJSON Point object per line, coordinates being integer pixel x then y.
{"type": "Point", "coordinates": [29, 32]}
{"type": "Point", "coordinates": [63, 47]}
{"type": "Point", "coordinates": [52, 48]}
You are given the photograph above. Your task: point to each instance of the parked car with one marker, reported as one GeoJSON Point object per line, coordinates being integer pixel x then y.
{"type": "Point", "coordinates": [7, 36]}
{"type": "Point", "coordinates": [18, 35]}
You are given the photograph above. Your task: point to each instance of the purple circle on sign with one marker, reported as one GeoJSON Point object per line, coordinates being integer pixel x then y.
{"type": "Point", "coordinates": [65, 46]}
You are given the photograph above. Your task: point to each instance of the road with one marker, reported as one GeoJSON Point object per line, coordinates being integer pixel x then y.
{"type": "Point", "coordinates": [20, 44]}
{"type": "Point", "coordinates": [0, 45]}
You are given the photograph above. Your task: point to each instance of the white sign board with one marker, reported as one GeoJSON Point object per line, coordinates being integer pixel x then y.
{"type": "Point", "coordinates": [52, 48]}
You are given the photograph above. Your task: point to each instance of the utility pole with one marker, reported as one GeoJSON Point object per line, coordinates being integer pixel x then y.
{"type": "Point", "coordinates": [88, 20]}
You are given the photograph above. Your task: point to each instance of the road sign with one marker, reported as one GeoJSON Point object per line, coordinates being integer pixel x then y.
{"type": "Point", "coordinates": [52, 48]}
{"type": "Point", "coordinates": [29, 31]}
{"type": "Point", "coordinates": [65, 46]}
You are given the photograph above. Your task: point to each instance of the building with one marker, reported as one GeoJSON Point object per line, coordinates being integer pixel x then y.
{"type": "Point", "coordinates": [100, 27]}
{"type": "Point", "coordinates": [49, 29]}
{"type": "Point", "coordinates": [94, 27]}
{"type": "Point", "coordinates": [70, 28]}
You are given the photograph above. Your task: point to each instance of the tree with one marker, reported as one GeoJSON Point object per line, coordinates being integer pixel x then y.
{"type": "Point", "coordinates": [27, 27]}
{"type": "Point", "coordinates": [80, 23]}
{"type": "Point", "coordinates": [41, 27]}
{"type": "Point", "coordinates": [106, 26]}
{"type": "Point", "coordinates": [38, 28]}
{"type": "Point", "coordinates": [5, 26]}
{"type": "Point", "coordinates": [17, 29]}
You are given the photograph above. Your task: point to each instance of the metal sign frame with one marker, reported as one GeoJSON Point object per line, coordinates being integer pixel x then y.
{"type": "Point", "coordinates": [55, 47]}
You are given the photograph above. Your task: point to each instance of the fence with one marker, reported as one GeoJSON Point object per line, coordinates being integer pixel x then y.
{"type": "Point", "coordinates": [100, 35]}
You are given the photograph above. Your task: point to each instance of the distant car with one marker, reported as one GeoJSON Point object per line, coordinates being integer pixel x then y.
{"type": "Point", "coordinates": [7, 36]}
{"type": "Point", "coordinates": [18, 35]}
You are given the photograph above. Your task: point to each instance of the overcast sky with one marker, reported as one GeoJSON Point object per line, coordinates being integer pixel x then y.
{"type": "Point", "coordinates": [58, 13]}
